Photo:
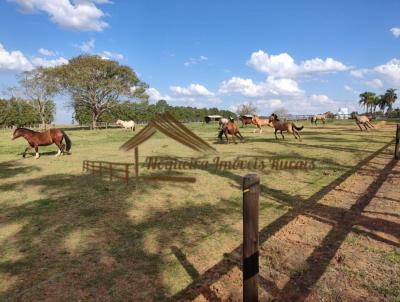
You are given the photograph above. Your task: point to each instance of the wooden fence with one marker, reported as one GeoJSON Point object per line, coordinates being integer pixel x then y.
{"type": "Point", "coordinates": [110, 169]}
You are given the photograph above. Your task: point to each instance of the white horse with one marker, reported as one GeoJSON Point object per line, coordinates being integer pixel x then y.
{"type": "Point", "coordinates": [126, 124]}
{"type": "Point", "coordinates": [222, 122]}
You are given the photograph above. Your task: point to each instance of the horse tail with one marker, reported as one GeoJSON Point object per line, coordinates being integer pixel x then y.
{"type": "Point", "coordinates": [67, 141]}
{"type": "Point", "coordinates": [297, 128]}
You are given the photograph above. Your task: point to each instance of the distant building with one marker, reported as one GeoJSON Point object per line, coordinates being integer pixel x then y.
{"type": "Point", "coordinates": [212, 118]}
{"type": "Point", "coordinates": [343, 113]}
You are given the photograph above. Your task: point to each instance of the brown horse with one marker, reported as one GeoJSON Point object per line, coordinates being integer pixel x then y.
{"type": "Point", "coordinates": [318, 117]}
{"type": "Point", "coordinates": [258, 122]}
{"type": "Point", "coordinates": [363, 120]}
{"type": "Point", "coordinates": [36, 139]}
{"type": "Point", "coordinates": [285, 126]}
{"type": "Point", "coordinates": [246, 120]}
{"type": "Point", "coordinates": [230, 128]}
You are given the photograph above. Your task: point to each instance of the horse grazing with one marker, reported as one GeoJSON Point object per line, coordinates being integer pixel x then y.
{"type": "Point", "coordinates": [126, 124]}
{"type": "Point", "coordinates": [260, 123]}
{"type": "Point", "coordinates": [285, 126]}
{"type": "Point", "coordinates": [246, 120]}
{"type": "Point", "coordinates": [36, 139]}
{"type": "Point", "coordinates": [222, 122]}
{"type": "Point", "coordinates": [230, 128]}
{"type": "Point", "coordinates": [363, 120]}
{"type": "Point", "coordinates": [318, 117]}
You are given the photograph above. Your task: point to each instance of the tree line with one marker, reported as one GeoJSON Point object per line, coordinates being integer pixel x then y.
{"type": "Point", "coordinates": [98, 90]}
{"type": "Point", "coordinates": [371, 101]}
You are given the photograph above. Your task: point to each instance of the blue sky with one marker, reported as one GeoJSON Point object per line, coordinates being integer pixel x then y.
{"type": "Point", "coordinates": [305, 56]}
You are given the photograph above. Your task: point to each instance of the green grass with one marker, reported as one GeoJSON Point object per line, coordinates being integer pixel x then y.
{"type": "Point", "coordinates": [80, 236]}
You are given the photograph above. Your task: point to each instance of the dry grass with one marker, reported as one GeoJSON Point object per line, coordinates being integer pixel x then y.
{"type": "Point", "coordinates": [66, 235]}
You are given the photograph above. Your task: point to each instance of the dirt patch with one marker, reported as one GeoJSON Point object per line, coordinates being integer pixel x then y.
{"type": "Point", "coordinates": [345, 247]}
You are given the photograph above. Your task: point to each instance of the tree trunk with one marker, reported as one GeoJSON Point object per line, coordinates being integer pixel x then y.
{"type": "Point", "coordinates": [95, 116]}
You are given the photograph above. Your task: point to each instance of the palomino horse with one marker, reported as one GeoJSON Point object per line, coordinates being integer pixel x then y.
{"type": "Point", "coordinates": [285, 126]}
{"type": "Point", "coordinates": [363, 120]}
{"type": "Point", "coordinates": [222, 122]}
{"type": "Point", "coordinates": [232, 129]}
{"type": "Point", "coordinates": [126, 124]}
{"type": "Point", "coordinates": [246, 120]}
{"type": "Point", "coordinates": [36, 139]}
{"type": "Point", "coordinates": [318, 117]}
{"type": "Point", "coordinates": [260, 123]}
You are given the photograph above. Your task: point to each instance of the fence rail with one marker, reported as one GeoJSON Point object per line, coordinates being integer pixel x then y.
{"type": "Point", "coordinates": [114, 170]}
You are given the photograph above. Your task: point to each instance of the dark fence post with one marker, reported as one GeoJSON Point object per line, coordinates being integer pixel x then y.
{"type": "Point", "coordinates": [251, 193]}
{"type": "Point", "coordinates": [397, 147]}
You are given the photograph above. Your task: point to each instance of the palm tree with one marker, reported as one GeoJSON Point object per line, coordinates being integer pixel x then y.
{"type": "Point", "coordinates": [367, 99]}
{"type": "Point", "coordinates": [390, 97]}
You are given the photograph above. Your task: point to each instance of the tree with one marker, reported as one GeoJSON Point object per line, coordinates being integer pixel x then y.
{"type": "Point", "coordinates": [390, 98]}
{"type": "Point", "coordinates": [367, 100]}
{"type": "Point", "coordinates": [97, 85]}
{"type": "Point", "coordinates": [39, 89]}
{"type": "Point", "coordinates": [247, 109]}
{"type": "Point", "coordinates": [281, 112]}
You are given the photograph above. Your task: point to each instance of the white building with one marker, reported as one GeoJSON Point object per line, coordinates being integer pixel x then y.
{"type": "Point", "coordinates": [343, 113]}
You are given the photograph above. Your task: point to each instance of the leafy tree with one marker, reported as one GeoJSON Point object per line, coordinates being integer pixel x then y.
{"type": "Point", "coordinates": [97, 85]}
{"type": "Point", "coordinates": [367, 100]}
{"type": "Point", "coordinates": [39, 89]}
{"type": "Point", "coordinates": [281, 111]}
{"type": "Point", "coordinates": [389, 98]}
{"type": "Point", "coordinates": [246, 109]}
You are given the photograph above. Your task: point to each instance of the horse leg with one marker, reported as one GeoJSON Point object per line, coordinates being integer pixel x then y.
{"type": "Point", "coordinates": [238, 135]}
{"type": "Point", "coordinates": [370, 125]}
{"type": "Point", "coordinates": [275, 133]}
{"type": "Point", "coordinates": [282, 135]}
{"type": "Point", "coordinates": [226, 135]}
{"type": "Point", "coordinates": [359, 126]}
{"type": "Point", "coordinates": [365, 126]}
{"type": "Point", "coordinates": [26, 150]}
{"type": "Point", "coordinates": [37, 152]}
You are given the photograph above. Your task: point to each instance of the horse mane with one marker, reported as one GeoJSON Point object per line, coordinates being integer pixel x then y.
{"type": "Point", "coordinates": [23, 128]}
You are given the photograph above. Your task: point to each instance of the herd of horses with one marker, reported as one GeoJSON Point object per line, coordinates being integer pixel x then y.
{"type": "Point", "coordinates": [226, 127]}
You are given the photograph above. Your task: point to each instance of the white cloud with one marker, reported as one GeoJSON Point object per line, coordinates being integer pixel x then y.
{"type": "Point", "coordinates": [395, 31]}
{"type": "Point", "coordinates": [81, 15]}
{"type": "Point", "coordinates": [107, 55]}
{"type": "Point", "coordinates": [49, 63]}
{"type": "Point", "coordinates": [375, 83]}
{"type": "Point", "coordinates": [193, 90]}
{"type": "Point", "coordinates": [283, 65]}
{"type": "Point", "coordinates": [270, 87]}
{"type": "Point", "coordinates": [194, 61]}
{"type": "Point", "coordinates": [390, 71]}
{"type": "Point", "coordinates": [359, 73]}
{"type": "Point", "coordinates": [155, 95]}
{"type": "Point", "coordinates": [194, 95]}
{"type": "Point", "coordinates": [13, 60]}
{"type": "Point", "coordinates": [46, 52]}
{"type": "Point", "coordinates": [351, 89]}
{"type": "Point", "coordinates": [87, 46]}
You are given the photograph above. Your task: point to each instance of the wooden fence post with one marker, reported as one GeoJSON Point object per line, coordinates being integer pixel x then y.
{"type": "Point", "coordinates": [397, 147]}
{"type": "Point", "coordinates": [251, 193]}
{"type": "Point", "coordinates": [127, 173]}
{"type": "Point", "coordinates": [136, 165]}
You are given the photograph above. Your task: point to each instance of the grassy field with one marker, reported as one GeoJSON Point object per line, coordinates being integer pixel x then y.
{"type": "Point", "coordinates": [66, 235]}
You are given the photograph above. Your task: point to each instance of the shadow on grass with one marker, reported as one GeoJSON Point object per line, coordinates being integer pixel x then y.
{"type": "Point", "coordinates": [13, 168]}
{"type": "Point", "coordinates": [80, 242]}
{"type": "Point", "coordinates": [300, 284]}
